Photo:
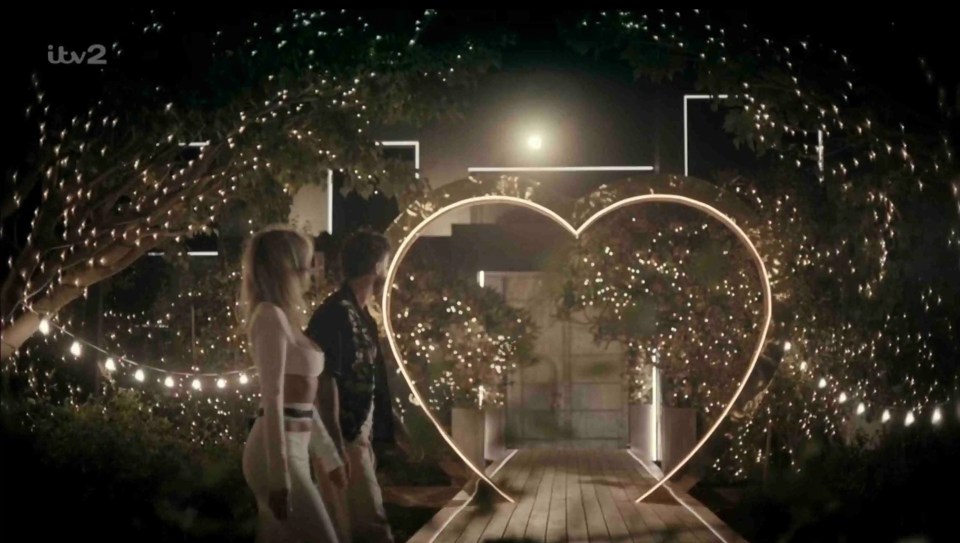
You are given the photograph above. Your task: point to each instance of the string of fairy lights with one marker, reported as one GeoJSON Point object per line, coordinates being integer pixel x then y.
{"type": "Point", "coordinates": [842, 371]}
{"type": "Point", "coordinates": [161, 181]}
{"type": "Point", "coordinates": [165, 183]}
{"type": "Point", "coordinates": [475, 360]}
{"type": "Point", "coordinates": [826, 388]}
{"type": "Point", "coordinates": [686, 334]}
{"type": "Point", "coordinates": [173, 379]}
{"type": "Point", "coordinates": [141, 372]}
{"type": "Point", "coordinates": [844, 368]}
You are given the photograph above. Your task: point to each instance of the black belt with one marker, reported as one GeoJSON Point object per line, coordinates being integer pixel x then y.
{"type": "Point", "coordinates": [292, 413]}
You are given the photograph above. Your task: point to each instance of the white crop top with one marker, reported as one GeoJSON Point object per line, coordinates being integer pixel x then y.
{"type": "Point", "coordinates": [302, 357]}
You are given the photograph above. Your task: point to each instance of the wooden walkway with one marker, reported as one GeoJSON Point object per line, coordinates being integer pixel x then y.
{"type": "Point", "coordinates": [577, 495]}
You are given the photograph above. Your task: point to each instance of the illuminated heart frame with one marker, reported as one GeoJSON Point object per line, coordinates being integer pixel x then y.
{"type": "Point", "coordinates": [409, 239]}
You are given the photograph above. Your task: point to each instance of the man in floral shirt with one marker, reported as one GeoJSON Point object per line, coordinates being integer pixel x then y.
{"type": "Point", "coordinates": [353, 383]}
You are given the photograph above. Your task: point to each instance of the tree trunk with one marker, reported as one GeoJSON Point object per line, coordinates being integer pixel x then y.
{"type": "Point", "coordinates": [26, 323]}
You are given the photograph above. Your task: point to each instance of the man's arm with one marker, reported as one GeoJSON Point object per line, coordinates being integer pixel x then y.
{"type": "Point", "coordinates": [328, 397]}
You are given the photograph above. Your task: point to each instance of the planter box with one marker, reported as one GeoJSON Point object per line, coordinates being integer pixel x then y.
{"type": "Point", "coordinates": [495, 423]}
{"type": "Point", "coordinates": [468, 433]}
{"type": "Point", "coordinates": [679, 434]}
{"type": "Point", "coordinates": [678, 427]}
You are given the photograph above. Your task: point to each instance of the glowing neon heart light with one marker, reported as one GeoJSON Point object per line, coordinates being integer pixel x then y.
{"type": "Point", "coordinates": [407, 243]}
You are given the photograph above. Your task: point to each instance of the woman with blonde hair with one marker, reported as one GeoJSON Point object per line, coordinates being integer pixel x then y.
{"type": "Point", "coordinates": [277, 269]}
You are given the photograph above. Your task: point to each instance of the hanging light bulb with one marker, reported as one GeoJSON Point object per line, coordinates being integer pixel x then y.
{"type": "Point", "coordinates": [803, 366]}
{"type": "Point", "coordinates": [910, 419]}
{"type": "Point", "coordinates": [139, 376]}
{"type": "Point", "coordinates": [196, 384]}
{"type": "Point", "coordinates": [221, 383]}
{"type": "Point", "coordinates": [168, 382]}
{"type": "Point", "coordinates": [861, 409]}
{"type": "Point", "coordinates": [787, 346]}
{"type": "Point", "coordinates": [822, 383]}
{"type": "Point", "coordinates": [76, 348]}
{"type": "Point", "coordinates": [244, 379]}
{"type": "Point", "coordinates": [45, 326]}
{"type": "Point", "coordinates": [886, 416]}
{"type": "Point", "coordinates": [843, 397]}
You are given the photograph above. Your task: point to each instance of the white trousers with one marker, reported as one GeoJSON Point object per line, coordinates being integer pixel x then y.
{"type": "Point", "coordinates": [308, 520]}
{"type": "Point", "coordinates": [358, 510]}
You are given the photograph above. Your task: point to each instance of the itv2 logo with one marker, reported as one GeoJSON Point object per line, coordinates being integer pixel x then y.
{"type": "Point", "coordinates": [71, 57]}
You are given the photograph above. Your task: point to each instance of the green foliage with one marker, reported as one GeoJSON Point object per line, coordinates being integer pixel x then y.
{"type": "Point", "coordinates": [456, 336]}
{"type": "Point", "coordinates": [114, 464]}
{"type": "Point", "coordinates": [847, 493]}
